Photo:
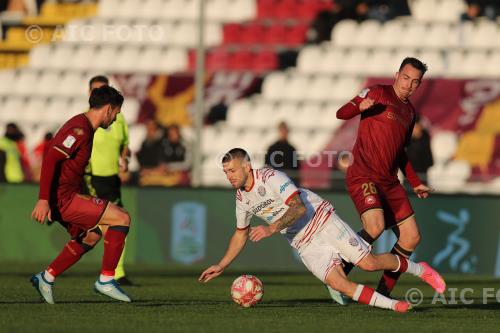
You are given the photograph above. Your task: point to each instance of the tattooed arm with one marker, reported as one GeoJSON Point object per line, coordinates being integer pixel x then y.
{"type": "Point", "coordinates": [294, 212]}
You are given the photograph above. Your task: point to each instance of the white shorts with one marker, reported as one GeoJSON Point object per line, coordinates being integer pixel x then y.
{"type": "Point", "coordinates": [334, 242]}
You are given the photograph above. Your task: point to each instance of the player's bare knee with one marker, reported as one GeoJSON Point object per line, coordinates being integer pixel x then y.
{"type": "Point", "coordinates": [125, 219]}
{"type": "Point", "coordinates": [375, 227]}
{"type": "Point", "coordinates": [409, 242]}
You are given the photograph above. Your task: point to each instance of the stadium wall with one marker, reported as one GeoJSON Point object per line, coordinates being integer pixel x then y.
{"type": "Point", "coordinates": [460, 233]}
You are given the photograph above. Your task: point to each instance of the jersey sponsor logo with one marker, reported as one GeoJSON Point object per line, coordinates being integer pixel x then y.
{"type": "Point", "coordinates": [353, 241]}
{"type": "Point", "coordinates": [262, 191]}
{"type": "Point", "coordinates": [69, 141]}
{"type": "Point", "coordinates": [284, 186]}
{"type": "Point", "coordinates": [370, 200]}
{"type": "Point", "coordinates": [364, 93]}
{"type": "Point", "coordinates": [261, 206]}
{"type": "Point", "coordinates": [271, 216]}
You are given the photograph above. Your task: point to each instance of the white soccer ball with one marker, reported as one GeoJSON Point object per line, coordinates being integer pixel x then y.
{"type": "Point", "coordinates": [247, 290]}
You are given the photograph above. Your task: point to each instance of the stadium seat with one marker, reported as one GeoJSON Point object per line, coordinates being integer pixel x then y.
{"type": "Point", "coordinates": [436, 62]}
{"type": "Point", "coordinates": [11, 109]}
{"type": "Point", "coordinates": [60, 55]}
{"type": "Point", "coordinates": [438, 37]}
{"type": "Point", "coordinates": [33, 110]}
{"type": "Point", "coordinates": [320, 88]}
{"type": "Point", "coordinates": [239, 113]}
{"type": "Point", "coordinates": [126, 59]}
{"type": "Point", "coordinates": [151, 9]}
{"type": "Point", "coordinates": [296, 87]}
{"type": "Point", "coordinates": [443, 145]}
{"type": "Point", "coordinates": [6, 79]}
{"type": "Point", "coordinates": [276, 33]}
{"type": "Point", "coordinates": [265, 61]}
{"type": "Point", "coordinates": [23, 83]}
{"type": "Point", "coordinates": [232, 32]}
{"type": "Point", "coordinates": [355, 62]}
{"type": "Point", "coordinates": [130, 110]}
{"type": "Point", "coordinates": [72, 84]}
{"type": "Point", "coordinates": [343, 32]}
{"type": "Point", "coordinates": [381, 63]}
{"type": "Point", "coordinates": [414, 35]}
{"type": "Point", "coordinates": [253, 33]}
{"type": "Point", "coordinates": [40, 56]}
{"type": "Point", "coordinates": [390, 33]}
{"type": "Point", "coordinates": [309, 60]}
{"type": "Point", "coordinates": [346, 88]}
{"type": "Point", "coordinates": [84, 57]}
{"type": "Point", "coordinates": [149, 59]}
{"type": "Point", "coordinates": [241, 60]}
{"type": "Point", "coordinates": [48, 83]}
{"type": "Point", "coordinates": [173, 60]}
{"type": "Point", "coordinates": [296, 34]}
{"type": "Point", "coordinates": [366, 34]}
{"type": "Point", "coordinates": [332, 61]}
{"type": "Point", "coordinates": [449, 10]}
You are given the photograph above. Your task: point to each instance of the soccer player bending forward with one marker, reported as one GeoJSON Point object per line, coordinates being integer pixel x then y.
{"type": "Point", "coordinates": [311, 226]}
{"type": "Point", "coordinates": [83, 216]}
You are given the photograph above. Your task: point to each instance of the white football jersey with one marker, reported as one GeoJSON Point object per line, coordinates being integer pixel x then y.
{"type": "Point", "coordinates": [268, 198]}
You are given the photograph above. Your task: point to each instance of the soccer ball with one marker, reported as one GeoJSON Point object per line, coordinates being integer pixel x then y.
{"type": "Point", "coordinates": [247, 291]}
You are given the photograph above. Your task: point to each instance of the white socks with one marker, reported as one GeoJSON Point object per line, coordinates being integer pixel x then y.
{"type": "Point", "coordinates": [48, 277]}
{"type": "Point", "coordinates": [367, 295]}
{"type": "Point", "coordinates": [106, 278]}
{"type": "Point", "coordinates": [411, 267]}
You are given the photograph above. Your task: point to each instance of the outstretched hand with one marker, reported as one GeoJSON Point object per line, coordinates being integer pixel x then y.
{"type": "Point", "coordinates": [423, 191]}
{"type": "Point", "coordinates": [210, 273]}
{"type": "Point", "coordinates": [41, 211]}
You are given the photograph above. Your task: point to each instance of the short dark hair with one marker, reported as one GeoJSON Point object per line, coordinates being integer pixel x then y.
{"type": "Point", "coordinates": [100, 79]}
{"type": "Point", "coordinates": [105, 95]}
{"type": "Point", "coordinates": [415, 63]}
{"type": "Point", "coordinates": [236, 153]}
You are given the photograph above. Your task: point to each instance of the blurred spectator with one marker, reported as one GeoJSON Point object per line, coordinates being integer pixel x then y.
{"type": "Point", "coordinates": [38, 154]}
{"type": "Point", "coordinates": [13, 172]}
{"type": "Point", "coordinates": [175, 154]}
{"type": "Point", "coordinates": [478, 8]}
{"type": "Point", "coordinates": [21, 7]}
{"type": "Point", "coordinates": [281, 155]}
{"type": "Point", "coordinates": [419, 150]}
{"type": "Point", "coordinates": [149, 154]}
{"type": "Point", "coordinates": [324, 22]}
{"type": "Point", "coordinates": [172, 163]}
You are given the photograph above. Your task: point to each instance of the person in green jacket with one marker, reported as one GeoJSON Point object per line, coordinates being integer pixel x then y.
{"type": "Point", "coordinates": [12, 169]}
{"type": "Point", "coordinates": [110, 156]}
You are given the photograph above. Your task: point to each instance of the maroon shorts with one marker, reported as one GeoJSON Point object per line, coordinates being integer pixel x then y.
{"type": "Point", "coordinates": [82, 213]}
{"type": "Point", "coordinates": [391, 198]}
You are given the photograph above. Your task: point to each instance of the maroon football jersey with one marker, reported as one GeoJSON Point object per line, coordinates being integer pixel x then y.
{"type": "Point", "coordinates": [71, 146]}
{"type": "Point", "coordinates": [384, 131]}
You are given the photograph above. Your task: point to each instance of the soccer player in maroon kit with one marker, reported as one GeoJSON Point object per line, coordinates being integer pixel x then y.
{"type": "Point", "coordinates": [387, 120]}
{"type": "Point", "coordinates": [60, 198]}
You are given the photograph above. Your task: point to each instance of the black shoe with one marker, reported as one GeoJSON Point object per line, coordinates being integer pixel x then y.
{"type": "Point", "coordinates": [124, 281]}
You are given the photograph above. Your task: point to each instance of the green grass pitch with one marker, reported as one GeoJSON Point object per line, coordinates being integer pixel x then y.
{"type": "Point", "coordinates": [171, 300]}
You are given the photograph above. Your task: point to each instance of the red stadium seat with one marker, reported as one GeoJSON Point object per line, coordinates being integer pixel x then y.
{"type": "Point", "coordinates": [296, 35]}
{"type": "Point", "coordinates": [252, 33]}
{"type": "Point", "coordinates": [265, 61]}
{"type": "Point", "coordinates": [232, 33]}
{"type": "Point", "coordinates": [218, 60]}
{"type": "Point", "coordinates": [276, 34]}
{"type": "Point", "coordinates": [241, 60]}
{"type": "Point", "coordinates": [286, 9]}
{"type": "Point", "coordinates": [266, 9]}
